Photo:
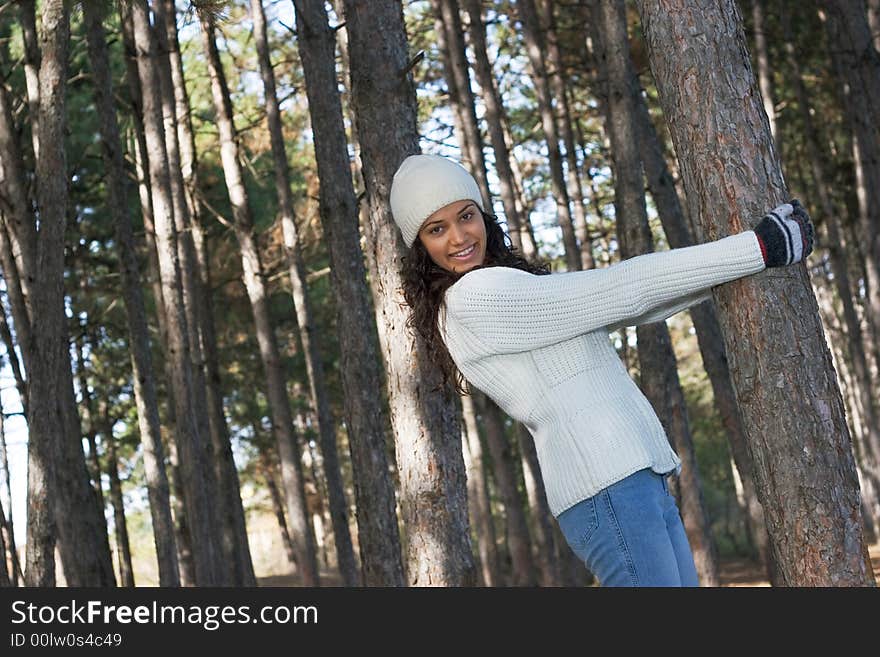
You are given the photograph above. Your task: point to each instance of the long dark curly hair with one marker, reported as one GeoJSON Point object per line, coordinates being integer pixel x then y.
{"type": "Point", "coordinates": [425, 284]}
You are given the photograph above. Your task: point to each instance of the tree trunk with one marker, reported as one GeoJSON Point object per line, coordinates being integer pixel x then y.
{"type": "Point", "coordinates": [45, 420]}
{"type": "Point", "coordinates": [563, 119]}
{"type": "Point", "coordinates": [8, 526]}
{"type": "Point", "coordinates": [11, 355]}
{"type": "Point", "coordinates": [426, 424]}
{"type": "Point", "coordinates": [535, 46]}
{"type": "Point", "coordinates": [764, 80]}
{"type": "Point", "coordinates": [504, 468]}
{"type": "Point", "coordinates": [451, 40]}
{"type": "Point", "coordinates": [191, 444]}
{"type": "Point", "coordinates": [494, 118]}
{"type": "Point", "coordinates": [123, 550]}
{"type": "Point", "coordinates": [478, 496]}
{"type": "Point", "coordinates": [857, 65]}
{"type": "Point", "coordinates": [837, 248]}
{"type": "Point", "coordinates": [279, 403]}
{"type": "Point", "coordinates": [146, 399]}
{"type": "Point", "coordinates": [542, 518]}
{"type": "Point", "coordinates": [782, 372]}
{"type": "Point", "coordinates": [659, 373]}
{"type": "Point", "coordinates": [662, 188]}
{"type": "Point", "coordinates": [222, 475]}
{"type": "Point", "coordinates": [267, 469]}
{"type": "Point", "coordinates": [315, 37]}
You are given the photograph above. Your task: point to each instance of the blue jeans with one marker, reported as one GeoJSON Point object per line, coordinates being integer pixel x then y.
{"type": "Point", "coordinates": [631, 534]}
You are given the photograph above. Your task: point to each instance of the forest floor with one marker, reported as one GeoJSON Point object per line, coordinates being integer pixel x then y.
{"type": "Point", "coordinates": [734, 572]}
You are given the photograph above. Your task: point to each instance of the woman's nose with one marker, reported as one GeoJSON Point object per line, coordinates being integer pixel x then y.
{"type": "Point", "coordinates": [457, 234]}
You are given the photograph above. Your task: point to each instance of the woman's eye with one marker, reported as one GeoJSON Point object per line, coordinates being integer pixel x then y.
{"type": "Point", "coordinates": [467, 216]}
{"type": "Point", "coordinates": [435, 230]}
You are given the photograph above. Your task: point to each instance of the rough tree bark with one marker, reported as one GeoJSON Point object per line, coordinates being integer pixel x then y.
{"type": "Point", "coordinates": [782, 371]}
{"type": "Point", "coordinates": [424, 418]}
{"type": "Point", "coordinates": [46, 423]}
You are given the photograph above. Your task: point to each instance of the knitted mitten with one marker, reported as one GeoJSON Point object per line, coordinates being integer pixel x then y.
{"type": "Point", "coordinates": [785, 235]}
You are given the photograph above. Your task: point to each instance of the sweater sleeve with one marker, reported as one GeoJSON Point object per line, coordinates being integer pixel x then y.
{"type": "Point", "coordinates": [509, 310]}
{"type": "Point", "coordinates": [666, 310]}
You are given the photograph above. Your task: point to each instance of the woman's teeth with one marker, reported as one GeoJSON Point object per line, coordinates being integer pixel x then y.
{"type": "Point", "coordinates": [465, 253]}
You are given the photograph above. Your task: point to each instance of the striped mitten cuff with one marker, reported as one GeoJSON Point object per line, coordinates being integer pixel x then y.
{"type": "Point", "coordinates": [785, 235]}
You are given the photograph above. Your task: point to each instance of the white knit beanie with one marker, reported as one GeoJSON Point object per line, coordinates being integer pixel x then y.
{"type": "Point", "coordinates": [422, 185]}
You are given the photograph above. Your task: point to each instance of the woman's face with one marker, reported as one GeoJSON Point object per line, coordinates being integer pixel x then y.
{"type": "Point", "coordinates": [455, 237]}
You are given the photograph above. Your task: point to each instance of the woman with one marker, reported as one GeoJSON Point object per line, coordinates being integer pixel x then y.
{"type": "Point", "coordinates": [539, 347]}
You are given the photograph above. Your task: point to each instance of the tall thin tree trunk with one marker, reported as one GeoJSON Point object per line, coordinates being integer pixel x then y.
{"type": "Point", "coordinates": [45, 421]}
{"type": "Point", "coordinates": [536, 47]}
{"type": "Point", "coordinates": [478, 496]}
{"type": "Point", "coordinates": [837, 248]}
{"type": "Point", "coordinates": [658, 367]}
{"type": "Point", "coordinates": [504, 468]}
{"type": "Point", "coordinates": [781, 369]}
{"type": "Point", "coordinates": [296, 270]}
{"type": "Point", "coordinates": [563, 120]}
{"type": "Point", "coordinates": [8, 526]}
{"type": "Point", "coordinates": [542, 518]}
{"type": "Point", "coordinates": [268, 470]}
{"type": "Point", "coordinates": [123, 549]}
{"type": "Point", "coordinates": [458, 80]}
{"type": "Point", "coordinates": [223, 476]}
{"type": "Point", "coordinates": [191, 447]}
{"type": "Point", "coordinates": [476, 31]}
{"type": "Point", "coordinates": [279, 403]}
{"type": "Point", "coordinates": [146, 398]}
{"type": "Point", "coordinates": [857, 65]}
{"type": "Point", "coordinates": [426, 424]}
{"type": "Point", "coordinates": [764, 80]}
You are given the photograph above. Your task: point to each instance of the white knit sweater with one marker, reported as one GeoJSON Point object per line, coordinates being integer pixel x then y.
{"type": "Point", "coordinates": [539, 347]}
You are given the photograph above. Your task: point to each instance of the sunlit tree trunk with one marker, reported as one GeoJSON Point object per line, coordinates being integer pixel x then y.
{"type": "Point", "coordinates": [781, 369]}
{"type": "Point", "coordinates": [563, 119]}
{"type": "Point", "coordinates": [426, 425]}
{"type": "Point", "coordinates": [485, 76]}
{"type": "Point", "coordinates": [314, 35]}
{"type": "Point", "coordinates": [536, 47]}
{"type": "Point", "coordinates": [279, 402]}
{"type": "Point", "coordinates": [143, 380]}
{"type": "Point", "coordinates": [181, 151]}
{"type": "Point", "coordinates": [206, 544]}
{"type": "Point", "coordinates": [478, 496]}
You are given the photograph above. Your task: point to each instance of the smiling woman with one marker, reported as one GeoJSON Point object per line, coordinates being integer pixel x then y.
{"type": "Point", "coordinates": [538, 346]}
{"type": "Point", "coordinates": [455, 237]}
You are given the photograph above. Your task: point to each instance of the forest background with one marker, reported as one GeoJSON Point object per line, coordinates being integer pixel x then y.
{"type": "Point", "coordinates": [254, 466]}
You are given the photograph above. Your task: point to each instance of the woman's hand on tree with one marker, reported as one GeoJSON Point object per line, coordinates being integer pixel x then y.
{"type": "Point", "coordinates": [785, 234]}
